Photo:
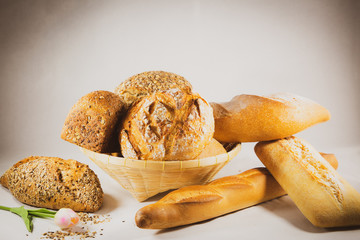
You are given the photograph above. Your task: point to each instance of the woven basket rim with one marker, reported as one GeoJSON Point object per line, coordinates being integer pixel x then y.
{"type": "Point", "coordinates": [115, 161]}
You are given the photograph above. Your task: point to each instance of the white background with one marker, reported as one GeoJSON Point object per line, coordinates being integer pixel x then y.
{"type": "Point", "coordinates": [54, 52]}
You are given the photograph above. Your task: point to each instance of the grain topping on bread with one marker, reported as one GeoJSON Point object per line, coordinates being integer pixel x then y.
{"type": "Point", "coordinates": [93, 122]}
{"type": "Point", "coordinates": [147, 83]}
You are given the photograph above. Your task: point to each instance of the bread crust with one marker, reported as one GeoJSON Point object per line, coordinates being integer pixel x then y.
{"type": "Point", "coordinates": [170, 125]}
{"type": "Point", "coordinates": [93, 122]}
{"type": "Point", "coordinates": [252, 118]}
{"type": "Point", "coordinates": [201, 202]}
{"type": "Point", "coordinates": [322, 195]}
{"type": "Point", "coordinates": [55, 183]}
{"type": "Point", "coordinates": [214, 148]}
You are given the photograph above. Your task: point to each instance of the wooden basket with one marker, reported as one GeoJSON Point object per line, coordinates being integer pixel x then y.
{"type": "Point", "coordinates": [146, 178]}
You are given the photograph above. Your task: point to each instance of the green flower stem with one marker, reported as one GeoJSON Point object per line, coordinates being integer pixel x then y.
{"type": "Point", "coordinates": [42, 215]}
{"type": "Point", "coordinates": [5, 208]}
{"type": "Point", "coordinates": [28, 214]}
{"type": "Point", "coordinates": [43, 210]}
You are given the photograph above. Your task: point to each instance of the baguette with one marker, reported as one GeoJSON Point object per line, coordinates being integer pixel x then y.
{"type": "Point", "coordinates": [251, 118]}
{"type": "Point", "coordinates": [201, 202]}
{"type": "Point", "coordinates": [321, 194]}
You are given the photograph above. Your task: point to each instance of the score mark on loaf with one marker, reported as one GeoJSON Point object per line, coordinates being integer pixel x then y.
{"type": "Point", "coordinates": [322, 195]}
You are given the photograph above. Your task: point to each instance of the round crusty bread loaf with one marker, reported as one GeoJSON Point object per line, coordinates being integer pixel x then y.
{"type": "Point", "coordinates": [146, 83]}
{"type": "Point", "coordinates": [170, 125]}
{"type": "Point", "coordinates": [93, 122]}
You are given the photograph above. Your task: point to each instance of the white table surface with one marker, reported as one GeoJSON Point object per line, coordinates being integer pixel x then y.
{"type": "Point", "coordinates": [276, 219]}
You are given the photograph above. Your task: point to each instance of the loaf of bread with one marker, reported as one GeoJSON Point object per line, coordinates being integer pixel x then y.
{"type": "Point", "coordinates": [198, 203]}
{"type": "Point", "coordinates": [330, 158]}
{"type": "Point", "coordinates": [147, 83]}
{"type": "Point", "coordinates": [55, 183]}
{"type": "Point", "coordinates": [93, 122]}
{"type": "Point", "coordinates": [251, 118]}
{"type": "Point", "coordinates": [322, 195]}
{"type": "Point", "coordinates": [214, 148]}
{"type": "Point", "coordinates": [170, 125]}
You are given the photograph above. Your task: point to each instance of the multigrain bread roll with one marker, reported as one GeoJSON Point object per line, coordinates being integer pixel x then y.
{"type": "Point", "coordinates": [55, 183]}
{"type": "Point", "coordinates": [251, 118]}
{"type": "Point", "coordinates": [170, 125]}
{"type": "Point", "coordinates": [198, 203]}
{"type": "Point", "coordinates": [93, 122]}
{"type": "Point", "coordinates": [147, 83]}
{"type": "Point", "coordinates": [321, 194]}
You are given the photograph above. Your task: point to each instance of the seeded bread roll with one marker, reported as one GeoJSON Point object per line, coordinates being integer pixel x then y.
{"type": "Point", "coordinates": [147, 83]}
{"type": "Point", "coordinates": [93, 122]}
{"type": "Point", "coordinates": [322, 195]}
{"type": "Point", "coordinates": [251, 118]}
{"type": "Point", "coordinates": [170, 125]}
{"type": "Point", "coordinates": [55, 183]}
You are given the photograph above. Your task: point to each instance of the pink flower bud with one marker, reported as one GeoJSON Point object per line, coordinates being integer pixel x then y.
{"type": "Point", "coordinates": [66, 218]}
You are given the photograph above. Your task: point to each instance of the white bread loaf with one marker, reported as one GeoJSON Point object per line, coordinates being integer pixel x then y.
{"type": "Point", "coordinates": [322, 195]}
{"type": "Point", "coordinates": [201, 202]}
{"type": "Point", "coordinates": [251, 118]}
{"type": "Point", "coordinates": [214, 148]}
